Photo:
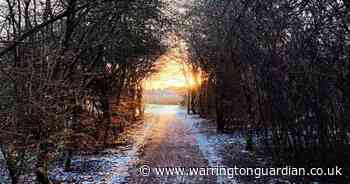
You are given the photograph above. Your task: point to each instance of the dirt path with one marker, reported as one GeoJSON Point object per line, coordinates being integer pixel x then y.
{"type": "Point", "coordinates": [167, 138]}
{"type": "Point", "coordinates": [169, 143]}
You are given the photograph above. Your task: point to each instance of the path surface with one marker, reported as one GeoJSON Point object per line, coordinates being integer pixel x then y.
{"type": "Point", "coordinates": [167, 138]}
{"type": "Point", "coordinates": [170, 142]}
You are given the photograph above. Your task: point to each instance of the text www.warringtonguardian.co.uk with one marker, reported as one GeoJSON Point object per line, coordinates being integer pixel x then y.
{"type": "Point", "coordinates": [146, 170]}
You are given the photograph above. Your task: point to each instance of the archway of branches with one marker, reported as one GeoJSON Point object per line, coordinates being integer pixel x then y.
{"type": "Point", "coordinates": [173, 78]}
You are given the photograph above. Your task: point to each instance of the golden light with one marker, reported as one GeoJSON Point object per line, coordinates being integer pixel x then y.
{"type": "Point", "coordinates": [173, 72]}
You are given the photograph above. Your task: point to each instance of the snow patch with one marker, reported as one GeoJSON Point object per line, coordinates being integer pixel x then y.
{"type": "Point", "coordinates": [111, 166]}
{"type": "Point", "coordinates": [209, 141]}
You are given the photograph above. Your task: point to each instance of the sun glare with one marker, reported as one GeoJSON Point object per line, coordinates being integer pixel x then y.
{"type": "Point", "coordinates": [172, 71]}
{"type": "Point", "coordinates": [170, 75]}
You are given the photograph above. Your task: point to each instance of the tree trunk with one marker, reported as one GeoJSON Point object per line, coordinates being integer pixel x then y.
{"type": "Point", "coordinates": [12, 171]}
{"type": "Point", "coordinates": [42, 165]}
{"type": "Point", "coordinates": [220, 120]}
{"type": "Point", "coordinates": [188, 102]}
{"type": "Point", "coordinates": [139, 100]}
{"type": "Point", "coordinates": [68, 161]}
{"type": "Point", "coordinates": [193, 101]}
{"type": "Point", "coordinates": [106, 118]}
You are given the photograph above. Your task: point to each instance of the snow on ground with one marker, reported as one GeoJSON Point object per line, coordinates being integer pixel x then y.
{"type": "Point", "coordinates": [171, 144]}
{"type": "Point", "coordinates": [3, 173]}
{"type": "Point", "coordinates": [114, 165]}
{"type": "Point", "coordinates": [111, 166]}
{"type": "Point", "coordinates": [209, 140]}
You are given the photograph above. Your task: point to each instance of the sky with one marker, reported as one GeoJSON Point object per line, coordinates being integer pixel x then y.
{"type": "Point", "coordinates": [170, 75]}
{"type": "Point", "coordinates": [171, 71]}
